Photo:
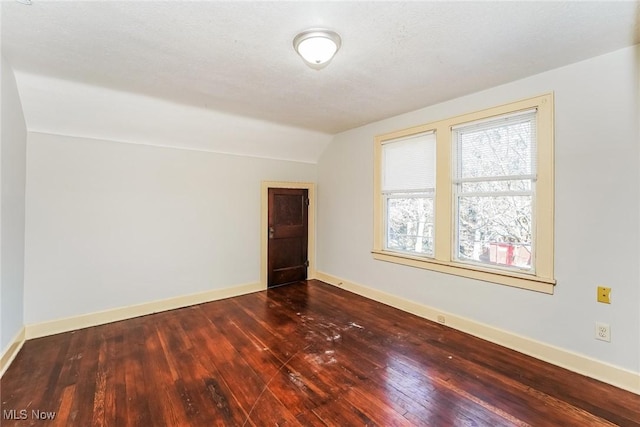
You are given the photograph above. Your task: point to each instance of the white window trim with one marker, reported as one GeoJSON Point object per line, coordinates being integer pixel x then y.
{"type": "Point", "coordinates": [543, 279]}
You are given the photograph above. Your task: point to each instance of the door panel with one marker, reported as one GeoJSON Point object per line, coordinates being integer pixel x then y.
{"type": "Point", "coordinates": [288, 236]}
{"type": "Point", "coordinates": [287, 209]}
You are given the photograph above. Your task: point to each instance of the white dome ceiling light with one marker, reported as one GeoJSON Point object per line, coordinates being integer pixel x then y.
{"type": "Point", "coordinates": [317, 46]}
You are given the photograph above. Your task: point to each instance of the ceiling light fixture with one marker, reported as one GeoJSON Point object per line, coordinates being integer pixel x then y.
{"type": "Point", "coordinates": [317, 46]}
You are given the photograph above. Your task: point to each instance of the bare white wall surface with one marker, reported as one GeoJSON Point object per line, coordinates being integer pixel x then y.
{"type": "Point", "coordinates": [111, 225]}
{"type": "Point", "coordinates": [12, 212]}
{"type": "Point", "coordinates": [64, 107]}
{"type": "Point", "coordinates": [597, 209]}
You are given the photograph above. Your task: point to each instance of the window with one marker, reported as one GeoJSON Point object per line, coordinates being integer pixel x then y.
{"type": "Point", "coordinates": [408, 188]}
{"type": "Point", "coordinates": [494, 188]}
{"type": "Point", "coordinates": [471, 195]}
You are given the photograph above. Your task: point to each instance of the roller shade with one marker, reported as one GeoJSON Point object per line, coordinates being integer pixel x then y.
{"type": "Point", "coordinates": [409, 164]}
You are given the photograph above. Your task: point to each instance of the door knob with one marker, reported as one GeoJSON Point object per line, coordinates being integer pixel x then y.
{"type": "Point", "coordinates": [271, 232]}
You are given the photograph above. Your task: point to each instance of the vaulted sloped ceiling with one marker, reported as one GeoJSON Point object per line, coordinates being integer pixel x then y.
{"type": "Point", "coordinates": [230, 67]}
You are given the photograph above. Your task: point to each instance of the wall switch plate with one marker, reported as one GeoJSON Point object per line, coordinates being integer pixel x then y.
{"type": "Point", "coordinates": [604, 295]}
{"type": "Point", "coordinates": [603, 332]}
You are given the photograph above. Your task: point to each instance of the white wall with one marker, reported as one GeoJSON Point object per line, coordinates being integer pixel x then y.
{"type": "Point", "coordinates": [114, 224]}
{"type": "Point", "coordinates": [597, 211]}
{"type": "Point", "coordinates": [64, 107]}
{"type": "Point", "coordinates": [13, 171]}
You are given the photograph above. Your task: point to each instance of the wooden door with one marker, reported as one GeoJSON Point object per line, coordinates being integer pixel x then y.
{"type": "Point", "coordinates": [288, 236]}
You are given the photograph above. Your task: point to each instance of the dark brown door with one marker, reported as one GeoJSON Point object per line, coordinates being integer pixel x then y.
{"type": "Point", "coordinates": [288, 228]}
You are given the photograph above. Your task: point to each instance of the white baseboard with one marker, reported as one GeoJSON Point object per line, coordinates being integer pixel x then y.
{"type": "Point", "coordinates": [11, 351]}
{"type": "Point", "coordinates": [581, 364]}
{"type": "Point", "coordinates": [122, 313]}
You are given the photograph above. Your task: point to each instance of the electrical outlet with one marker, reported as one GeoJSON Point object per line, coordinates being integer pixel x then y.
{"type": "Point", "coordinates": [441, 319]}
{"type": "Point", "coordinates": [603, 332]}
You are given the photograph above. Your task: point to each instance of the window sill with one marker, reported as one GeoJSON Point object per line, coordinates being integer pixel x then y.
{"type": "Point", "coordinates": [508, 278]}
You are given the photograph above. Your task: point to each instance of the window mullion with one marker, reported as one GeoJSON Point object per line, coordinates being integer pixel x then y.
{"type": "Point", "coordinates": [443, 199]}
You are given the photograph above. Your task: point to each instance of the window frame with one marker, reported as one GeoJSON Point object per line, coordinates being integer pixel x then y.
{"type": "Point", "coordinates": [405, 193]}
{"type": "Point", "coordinates": [459, 181]}
{"type": "Point", "coordinates": [541, 279]}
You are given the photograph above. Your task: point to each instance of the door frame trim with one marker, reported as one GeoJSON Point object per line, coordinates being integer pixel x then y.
{"type": "Point", "coordinates": [264, 225]}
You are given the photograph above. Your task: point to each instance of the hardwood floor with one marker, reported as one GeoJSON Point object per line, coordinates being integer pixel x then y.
{"type": "Point", "coordinates": [304, 354]}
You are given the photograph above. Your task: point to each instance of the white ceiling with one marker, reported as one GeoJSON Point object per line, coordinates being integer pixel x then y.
{"type": "Point", "coordinates": [237, 57]}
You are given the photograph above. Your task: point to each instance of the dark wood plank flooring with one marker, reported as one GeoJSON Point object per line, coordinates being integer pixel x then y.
{"type": "Point", "coordinates": [304, 354]}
